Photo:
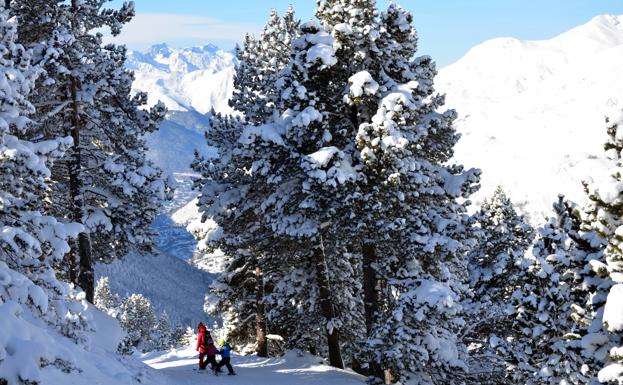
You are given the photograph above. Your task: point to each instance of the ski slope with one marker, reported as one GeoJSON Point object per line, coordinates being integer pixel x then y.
{"type": "Point", "coordinates": [179, 368]}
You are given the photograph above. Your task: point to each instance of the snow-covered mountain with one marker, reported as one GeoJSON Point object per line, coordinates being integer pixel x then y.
{"type": "Point", "coordinates": [190, 82]}
{"type": "Point", "coordinates": [187, 79]}
{"type": "Point", "coordinates": [532, 112]}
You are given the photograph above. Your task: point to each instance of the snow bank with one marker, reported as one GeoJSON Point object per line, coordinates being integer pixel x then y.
{"type": "Point", "coordinates": [35, 350]}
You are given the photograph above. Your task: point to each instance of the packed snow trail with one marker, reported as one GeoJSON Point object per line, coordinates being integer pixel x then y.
{"type": "Point", "coordinates": [178, 367]}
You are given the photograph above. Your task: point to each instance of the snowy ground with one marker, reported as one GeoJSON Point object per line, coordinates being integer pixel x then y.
{"type": "Point", "coordinates": [101, 365]}
{"type": "Point", "coordinates": [179, 368]}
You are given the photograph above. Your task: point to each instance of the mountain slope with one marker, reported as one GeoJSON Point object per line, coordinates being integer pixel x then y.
{"type": "Point", "coordinates": [190, 82]}
{"type": "Point", "coordinates": [170, 283]}
{"type": "Point", "coordinates": [532, 112]}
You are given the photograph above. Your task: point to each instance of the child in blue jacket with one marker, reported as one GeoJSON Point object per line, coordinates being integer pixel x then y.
{"type": "Point", "coordinates": [225, 353]}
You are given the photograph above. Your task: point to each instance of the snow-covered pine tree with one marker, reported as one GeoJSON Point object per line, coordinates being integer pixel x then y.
{"type": "Point", "coordinates": [496, 267]}
{"type": "Point", "coordinates": [305, 177]}
{"type": "Point", "coordinates": [546, 351]}
{"type": "Point", "coordinates": [260, 60]}
{"type": "Point", "coordinates": [505, 236]}
{"type": "Point", "coordinates": [602, 311]}
{"type": "Point", "coordinates": [104, 181]}
{"type": "Point", "coordinates": [256, 197]}
{"type": "Point", "coordinates": [137, 318]}
{"type": "Point", "coordinates": [404, 144]}
{"type": "Point", "coordinates": [239, 292]}
{"type": "Point", "coordinates": [105, 299]}
{"type": "Point", "coordinates": [162, 334]}
{"type": "Point", "coordinates": [30, 242]}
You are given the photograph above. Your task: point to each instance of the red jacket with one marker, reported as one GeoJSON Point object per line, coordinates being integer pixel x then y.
{"type": "Point", "coordinates": [201, 342]}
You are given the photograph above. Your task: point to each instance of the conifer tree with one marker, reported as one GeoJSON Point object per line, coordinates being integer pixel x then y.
{"type": "Point", "coordinates": [546, 350]}
{"type": "Point", "coordinates": [260, 61]}
{"type": "Point", "coordinates": [137, 318]}
{"type": "Point", "coordinates": [104, 182]}
{"type": "Point", "coordinates": [349, 137]}
{"type": "Point", "coordinates": [162, 334]}
{"type": "Point", "coordinates": [496, 269]}
{"type": "Point", "coordinates": [505, 236]}
{"type": "Point", "coordinates": [239, 293]}
{"type": "Point", "coordinates": [601, 313]}
{"type": "Point", "coordinates": [105, 299]}
{"type": "Point", "coordinates": [30, 241]}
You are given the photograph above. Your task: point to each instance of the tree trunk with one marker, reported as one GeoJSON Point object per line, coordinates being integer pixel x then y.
{"type": "Point", "coordinates": [72, 264]}
{"type": "Point", "coordinates": [370, 298]}
{"type": "Point", "coordinates": [86, 278]}
{"type": "Point", "coordinates": [260, 317]}
{"type": "Point", "coordinates": [370, 295]}
{"type": "Point", "coordinates": [7, 4]}
{"type": "Point", "coordinates": [327, 308]}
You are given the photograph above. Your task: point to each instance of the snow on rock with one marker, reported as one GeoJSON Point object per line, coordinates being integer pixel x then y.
{"type": "Point", "coordinates": [613, 311]}
{"type": "Point", "coordinates": [525, 123]}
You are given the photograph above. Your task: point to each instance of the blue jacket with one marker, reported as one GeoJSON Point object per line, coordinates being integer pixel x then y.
{"type": "Point", "coordinates": [225, 352]}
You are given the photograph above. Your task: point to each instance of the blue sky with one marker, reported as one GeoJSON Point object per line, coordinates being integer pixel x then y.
{"type": "Point", "coordinates": [447, 28]}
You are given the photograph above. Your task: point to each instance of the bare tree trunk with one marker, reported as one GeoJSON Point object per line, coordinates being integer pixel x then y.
{"type": "Point", "coordinates": [260, 317]}
{"type": "Point", "coordinates": [327, 307]}
{"type": "Point", "coordinates": [370, 298]}
{"type": "Point", "coordinates": [86, 277]}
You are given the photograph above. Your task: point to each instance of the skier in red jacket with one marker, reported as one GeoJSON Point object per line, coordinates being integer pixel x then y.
{"type": "Point", "coordinates": [203, 339]}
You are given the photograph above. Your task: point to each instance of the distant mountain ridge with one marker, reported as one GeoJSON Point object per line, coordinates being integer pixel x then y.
{"type": "Point", "coordinates": [190, 82]}
{"type": "Point", "coordinates": [185, 79]}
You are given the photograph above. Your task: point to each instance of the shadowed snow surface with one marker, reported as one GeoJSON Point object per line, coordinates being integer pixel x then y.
{"type": "Point", "coordinates": [179, 368]}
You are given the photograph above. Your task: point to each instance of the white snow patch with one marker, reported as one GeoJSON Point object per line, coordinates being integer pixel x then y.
{"type": "Point", "coordinates": [613, 311]}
